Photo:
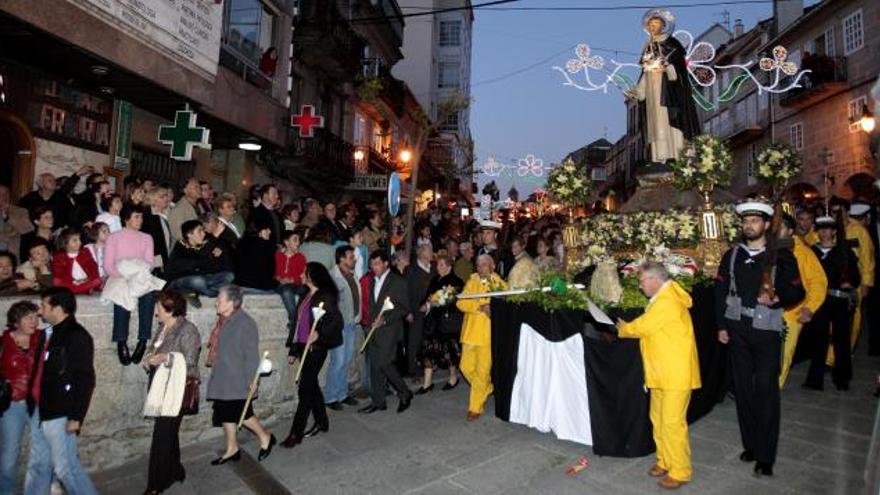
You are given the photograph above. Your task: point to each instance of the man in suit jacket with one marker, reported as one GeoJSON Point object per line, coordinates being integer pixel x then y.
{"type": "Point", "coordinates": [265, 214]}
{"type": "Point", "coordinates": [418, 277]}
{"type": "Point", "coordinates": [157, 226]}
{"type": "Point", "coordinates": [389, 331]}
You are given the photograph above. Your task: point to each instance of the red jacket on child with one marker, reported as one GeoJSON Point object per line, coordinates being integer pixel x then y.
{"type": "Point", "coordinates": [62, 272]}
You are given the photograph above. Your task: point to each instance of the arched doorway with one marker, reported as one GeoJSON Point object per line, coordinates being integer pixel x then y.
{"type": "Point", "coordinates": [17, 155]}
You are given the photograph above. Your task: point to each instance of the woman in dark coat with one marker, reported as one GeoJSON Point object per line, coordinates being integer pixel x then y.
{"type": "Point", "coordinates": [442, 326]}
{"type": "Point", "coordinates": [326, 335]}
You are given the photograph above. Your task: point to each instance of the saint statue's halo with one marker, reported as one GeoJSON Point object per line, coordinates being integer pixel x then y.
{"type": "Point", "coordinates": [662, 14]}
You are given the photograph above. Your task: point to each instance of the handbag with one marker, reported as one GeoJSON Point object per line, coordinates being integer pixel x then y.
{"type": "Point", "coordinates": [190, 405]}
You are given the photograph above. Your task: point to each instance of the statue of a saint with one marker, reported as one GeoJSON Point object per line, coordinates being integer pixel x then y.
{"type": "Point", "coordinates": [669, 114]}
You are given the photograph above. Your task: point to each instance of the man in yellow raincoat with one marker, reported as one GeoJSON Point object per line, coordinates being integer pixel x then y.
{"type": "Point", "coordinates": [669, 356]}
{"type": "Point", "coordinates": [476, 334]}
{"type": "Point", "coordinates": [816, 286]}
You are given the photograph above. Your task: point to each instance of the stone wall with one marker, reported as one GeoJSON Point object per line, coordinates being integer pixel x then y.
{"type": "Point", "coordinates": [115, 432]}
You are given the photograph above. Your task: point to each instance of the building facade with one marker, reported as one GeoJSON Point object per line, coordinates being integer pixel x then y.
{"type": "Point", "coordinates": [89, 83]}
{"type": "Point", "coordinates": [437, 66]}
{"type": "Point", "coordinates": [836, 41]}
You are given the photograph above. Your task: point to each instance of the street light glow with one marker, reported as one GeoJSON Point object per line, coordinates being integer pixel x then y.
{"type": "Point", "coordinates": [359, 155]}
{"type": "Point", "coordinates": [405, 155]}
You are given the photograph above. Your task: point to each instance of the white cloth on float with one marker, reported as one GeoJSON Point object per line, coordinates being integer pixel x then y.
{"type": "Point", "coordinates": [550, 388]}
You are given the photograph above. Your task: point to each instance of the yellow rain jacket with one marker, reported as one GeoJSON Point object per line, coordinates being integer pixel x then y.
{"type": "Point", "coordinates": [477, 327]}
{"type": "Point", "coordinates": [667, 343]}
{"type": "Point", "coordinates": [812, 276]}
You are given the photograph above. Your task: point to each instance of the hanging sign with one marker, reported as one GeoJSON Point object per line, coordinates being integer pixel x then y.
{"type": "Point", "coordinates": [183, 135]}
{"type": "Point", "coordinates": [123, 135]}
{"type": "Point", "coordinates": [307, 121]}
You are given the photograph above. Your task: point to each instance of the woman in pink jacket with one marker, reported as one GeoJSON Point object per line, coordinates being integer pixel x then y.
{"type": "Point", "coordinates": [130, 243]}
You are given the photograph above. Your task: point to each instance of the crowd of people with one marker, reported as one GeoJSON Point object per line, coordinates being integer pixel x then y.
{"type": "Point", "coordinates": [160, 252]}
{"type": "Point", "coordinates": [345, 279]}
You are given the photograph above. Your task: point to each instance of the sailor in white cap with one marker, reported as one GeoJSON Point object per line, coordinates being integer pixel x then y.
{"type": "Point", "coordinates": [832, 320]}
{"type": "Point", "coordinates": [751, 322]}
{"type": "Point", "coordinates": [860, 241]}
{"type": "Point", "coordinates": [503, 258]}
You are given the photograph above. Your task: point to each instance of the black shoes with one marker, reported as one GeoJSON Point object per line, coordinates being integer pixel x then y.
{"type": "Point", "coordinates": [350, 401]}
{"type": "Point", "coordinates": [264, 453]}
{"type": "Point", "coordinates": [123, 353]}
{"type": "Point", "coordinates": [223, 460]}
{"type": "Point", "coordinates": [371, 409]}
{"type": "Point", "coordinates": [291, 441]}
{"type": "Point", "coordinates": [336, 406]}
{"type": "Point", "coordinates": [425, 390]}
{"type": "Point", "coordinates": [762, 469]}
{"type": "Point", "coordinates": [449, 386]}
{"type": "Point", "coordinates": [405, 403]}
{"type": "Point", "coordinates": [139, 350]}
{"type": "Point", "coordinates": [747, 456]}
{"type": "Point", "coordinates": [315, 429]}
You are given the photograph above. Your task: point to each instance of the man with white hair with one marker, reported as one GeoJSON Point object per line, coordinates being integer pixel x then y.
{"type": "Point", "coordinates": [58, 198]}
{"type": "Point", "coordinates": [476, 334]}
{"type": "Point", "coordinates": [669, 357]}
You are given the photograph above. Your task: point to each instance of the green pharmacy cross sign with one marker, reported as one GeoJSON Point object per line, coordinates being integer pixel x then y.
{"type": "Point", "coordinates": [183, 135]}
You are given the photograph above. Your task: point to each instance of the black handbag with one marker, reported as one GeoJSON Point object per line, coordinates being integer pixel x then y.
{"type": "Point", "coordinates": [190, 405]}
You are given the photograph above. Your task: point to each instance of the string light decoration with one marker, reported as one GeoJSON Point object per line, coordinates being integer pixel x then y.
{"type": "Point", "coordinates": [529, 166]}
{"type": "Point", "coordinates": [599, 74]}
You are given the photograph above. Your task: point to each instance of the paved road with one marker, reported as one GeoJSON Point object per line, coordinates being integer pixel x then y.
{"type": "Point", "coordinates": [431, 449]}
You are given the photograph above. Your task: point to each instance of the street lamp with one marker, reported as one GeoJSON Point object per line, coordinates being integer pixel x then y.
{"type": "Point", "coordinates": [405, 155]}
{"type": "Point", "coordinates": [867, 122]}
{"type": "Point", "coordinates": [359, 155]}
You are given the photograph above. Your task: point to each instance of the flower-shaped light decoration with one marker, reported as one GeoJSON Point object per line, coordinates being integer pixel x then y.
{"type": "Point", "coordinates": [584, 60]}
{"type": "Point", "coordinates": [698, 59]}
{"type": "Point", "coordinates": [530, 165]}
{"type": "Point", "coordinates": [779, 62]}
{"type": "Point", "coordinates": [492, 167]}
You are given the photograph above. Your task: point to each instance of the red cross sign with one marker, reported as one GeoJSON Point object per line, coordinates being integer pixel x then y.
{"type": "Point", "coordinates": [307, 121]}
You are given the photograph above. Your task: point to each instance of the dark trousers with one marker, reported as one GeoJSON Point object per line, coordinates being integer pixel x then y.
{"type": "Point", "coordinates": [122, 317]}
{"type": "Point", "coordinates": [414, 340]}
{"type": "Point", "coordinates": [311, 400]}
{"type": "Point", "coordinates": [204, 285]}
{"type": "Point", "coordinates": [831, 322]}
{"type": "Point", "coordinates": [871, 316]}
{"type": "Point", "coordinates": [381, 353]}
{"type": "Point", "coordinates": [755, 361]}
{"type": "Point", "coordinates": [165, 467]}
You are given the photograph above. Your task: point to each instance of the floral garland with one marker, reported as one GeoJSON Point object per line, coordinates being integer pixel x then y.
{"type": "Point", "coordinates": [606, 233]}
{"type": "Point", "coordinates": [777, 164]}
{"type": "Point", "coordinates": [705, 163]}
{"type": "Point", "coordinates": [567, 184]}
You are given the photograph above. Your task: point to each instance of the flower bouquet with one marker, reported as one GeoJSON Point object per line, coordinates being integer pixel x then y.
{"type": "Point", "coordinates": [442, 297]}
{"type": "Point", "coordinates": [567, 183]}
{"type": "Point", "coordinates": [776, 165]}
{"type": "Point", "coordinates": [705, 163]}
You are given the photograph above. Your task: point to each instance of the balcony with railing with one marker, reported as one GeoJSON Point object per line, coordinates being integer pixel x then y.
{"type": "Point", "coordinates": [323, 38]}
{"type": "Point", "coordinates": [326, 153]}
{"type": "Point", "coordinates": [828, 76]}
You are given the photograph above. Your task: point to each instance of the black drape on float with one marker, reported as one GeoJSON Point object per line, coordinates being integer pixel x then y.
{"type": "Point", "coordinates": [615, 378]}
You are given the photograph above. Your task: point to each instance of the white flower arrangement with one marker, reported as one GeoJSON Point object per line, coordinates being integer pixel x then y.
{"type": "Point", "coordinates": [676, 264]}
{"type": "Point", "coordinates": [705, 163]}
{"type": "Point", "coordinates": [777, 164]}
{"type": "Point", "coordinates": [567, 184]}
